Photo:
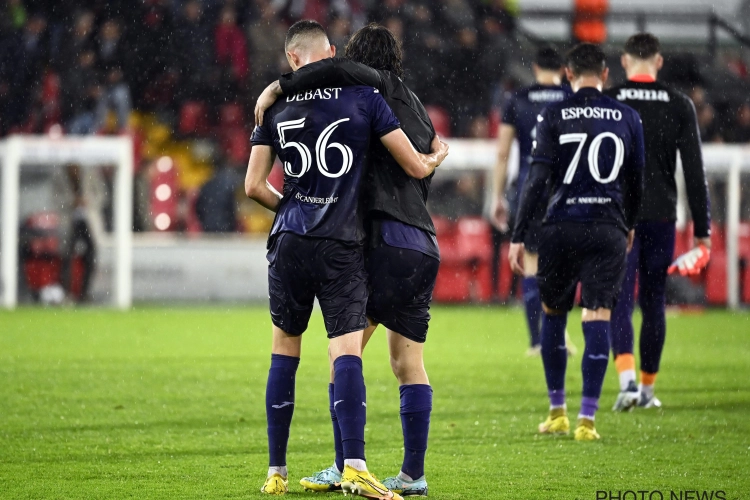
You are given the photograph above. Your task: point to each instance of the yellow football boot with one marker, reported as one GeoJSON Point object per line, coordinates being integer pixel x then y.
{"type": "Point", "coordinates": [364, 484]}
{"type": "Point", "coordinates": [557, 422]}
{"type": "Point", "coordinates": [585, 430]}
{"type": "Point", "coordinates": [275, 485]}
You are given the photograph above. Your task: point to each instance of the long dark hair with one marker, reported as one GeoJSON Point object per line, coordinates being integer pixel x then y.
{"type": "Point", "coordinates": [375, 46]}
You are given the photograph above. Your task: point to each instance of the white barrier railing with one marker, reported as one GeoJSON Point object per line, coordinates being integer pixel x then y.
{"type": "Point", "coordinates": [465, 154]}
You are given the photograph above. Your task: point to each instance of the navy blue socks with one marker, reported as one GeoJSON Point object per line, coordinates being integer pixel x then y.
{"type": "Point", "coordinates": [336, 431]}
{"type": "Point", "coordinates": [280, 406]}
{"type": "Point", "coordinates": [554, 356]}
{"type": "Point", "coordinates": [416, 406]}
{"type": "Point", "coordinates": [594, 364]}
{"type": "Point", "coordinates": [349, 403]}
{"type": "Point", "coordinates": [532, 304]}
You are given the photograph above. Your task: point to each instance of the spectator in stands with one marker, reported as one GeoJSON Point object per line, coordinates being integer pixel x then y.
{"type": "Point", "coordinates": [115, 96]}
{"type": "Point", "coordinates": [709, 129]}
{"type": "Point", "coordinates": [80, 40]}
{"type": "Point", "coordinates": [194, 52]}
{"type": "Point", "coordinates": [25, 58]}
{"type": "Point", "coordinates": [479, 127]}
{"type": "Point", "coordinates": [339, 30]}
{"type": "Point", "coordinates": [150, 45]}
{"type": "Point", "coordinates": [423, 48]}
{"type": "Point", "coordinates": [740, 131]}
{"type": "Point", "coordinates": [216, 206]}
{"type": "Point", "coordinates": [231, 52]}
{"type": "Point", "coordinates": [81, 91]}
{"type": "Point", "coordinates": [381, 11]}
{"type": "Point", "coordinates": [110, 50]}
{"type": "Point", "coordinates": [457, 15]}
{"type": "Point", "coordinates": [16, 14]}
{"type": "Point", "coordinates": [294, 10]}
{"type": "Point", "coordinates": [462, 91]}
{"type": "Point", "coordinates": [496, 11]}
{"type": "Point", "coordinates": [266, 37]}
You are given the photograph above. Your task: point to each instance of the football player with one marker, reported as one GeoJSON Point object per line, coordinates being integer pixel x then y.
{"type": "Point", "coordinates": [589, 148]}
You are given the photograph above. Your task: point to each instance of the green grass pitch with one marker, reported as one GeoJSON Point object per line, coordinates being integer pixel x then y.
{"type": "Point", "coordinates": [169, 403]}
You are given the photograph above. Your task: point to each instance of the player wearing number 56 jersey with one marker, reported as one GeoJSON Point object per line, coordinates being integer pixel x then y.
{"type": "Point", "coordinates": [590, 149]}
{"type": "Point", "coordinates": [315, 247]}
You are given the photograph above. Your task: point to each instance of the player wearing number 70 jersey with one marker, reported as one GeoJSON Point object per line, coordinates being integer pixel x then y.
{"type": "Point", "coordinates": [590, 149]}
{"type": "Point", "coordinates": [322, 138]}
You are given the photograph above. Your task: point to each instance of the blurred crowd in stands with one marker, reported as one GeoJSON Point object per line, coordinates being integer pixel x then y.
{"type": "Point", "coordinates": [171, 71]}
{"type": "Point", "coordinates": [157, 55]}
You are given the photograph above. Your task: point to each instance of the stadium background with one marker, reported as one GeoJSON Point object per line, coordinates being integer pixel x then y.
{"type": "Point", "coordinates": [181, 77]}
{"type": "Point", "coordinates": [166, 401]}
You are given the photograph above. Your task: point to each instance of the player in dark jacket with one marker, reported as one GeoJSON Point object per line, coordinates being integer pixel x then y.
{"type": "Point", "coordinates": [403, 256]}
{"type": "Point", "coordinates": [322, 138]}
{"type": "Point", "coordinates": [589, 148]}
{"type": "Point", "coordinates": [670, 125]}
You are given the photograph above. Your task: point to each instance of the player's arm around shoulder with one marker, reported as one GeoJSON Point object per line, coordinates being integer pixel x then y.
{"type": "Point", "coordinates": [385, 125]}
{"type": "Point", "coordinates": [415, 164]}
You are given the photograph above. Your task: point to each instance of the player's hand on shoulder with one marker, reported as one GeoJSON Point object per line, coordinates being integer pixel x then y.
{"type": "Point", "coordinates": [439, 148]}
{"type": "Point", "coordinates": [499, 213]}
{"type": "Point", "coordinates": [515, 256]}
{"type": "Point", "coordinates": [266, 100]}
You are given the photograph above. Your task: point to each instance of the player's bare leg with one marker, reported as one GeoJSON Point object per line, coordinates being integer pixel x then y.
{"type": "Point", "coordinates": [407, 363]}
{"type": "Point", "coordinates": [285, 355]}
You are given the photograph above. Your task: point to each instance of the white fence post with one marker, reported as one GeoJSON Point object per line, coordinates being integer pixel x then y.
{"type": "Point", "coordinates": [123, 203]}
{"type": "Point", "coordinates": [9, 252]}
{"type": "Point", "coordinates": [733, 231]}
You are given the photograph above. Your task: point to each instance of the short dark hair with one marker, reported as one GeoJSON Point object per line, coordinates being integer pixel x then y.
{"type": "Point", "coordinates": [303, 28]}
{"type": "Point", "coordinates": [548, 58]}
{"type": "Point", "coordinates": [586, 58]}
{"type": "Point", "coordinates": [642, 46]}
{"type": "Point", "coordinates": [375, 46]}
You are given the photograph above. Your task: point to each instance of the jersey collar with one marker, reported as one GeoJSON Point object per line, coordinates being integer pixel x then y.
{"type": "Point", "coordinates": [642, 79]}
{"type": "Point", "coordinates": [588, 91]}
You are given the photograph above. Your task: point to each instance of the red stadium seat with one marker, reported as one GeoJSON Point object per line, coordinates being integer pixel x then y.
{"type": "Point", "coordinates": [50, 97]}
{"type": "Point", "coordinates": [237, 145]}
{"type": "Point", "coordinates": [474, 245]}
{"type": "Point", "coordinates": [474, 239]}
{"type": "Point", "coordinates": [718, 238]}
{"type": "Point", "coordinates": [193, 119]}
{"type": "Point", "coordinates": [466, 259]}
{"type": "Point", "coordinates": [505, 273]}
{"type": "Point", "coordinates": [231, 115]}
{"type": "Point", "coordinates": [716, 279]}
{"type": "Point", "coordinates": [440, 120]}
{"type": "Point", "coordinates": [681, 244]}
{"type": "Point", "coordinates": [494, 123]}
{"type": "Point", "coordinates": [453, 277]}
{"type": "Point", "coordinates": [745, 242]}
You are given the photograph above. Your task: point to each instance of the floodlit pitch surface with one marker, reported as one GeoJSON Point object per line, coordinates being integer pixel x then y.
{"type": "Point", "coordinates": [169, 403]}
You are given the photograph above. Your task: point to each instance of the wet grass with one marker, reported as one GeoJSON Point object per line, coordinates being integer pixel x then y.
{"type": "Point", "coordinates": [169, 403]}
